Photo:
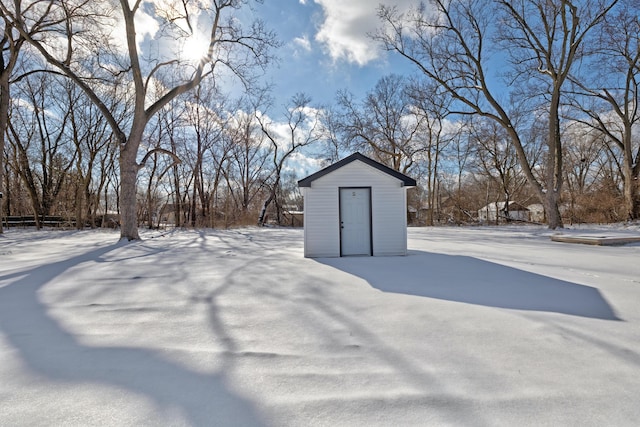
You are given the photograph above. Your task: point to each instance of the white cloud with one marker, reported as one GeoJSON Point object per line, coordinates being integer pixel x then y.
{"type": "Point", "coordinates": [346, 26]}
{"type": "Point", "coordinates": [303, 42]}
{"type": "Point", "coordinates": [146, 25]}
{"type": "Point", "coordinates": [146, 28]}
{"type": "Point", "coordinates": [302, 165]}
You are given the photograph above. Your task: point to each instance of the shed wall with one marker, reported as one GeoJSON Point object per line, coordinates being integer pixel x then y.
{"type": "Point", "coordinates": [388, 211]}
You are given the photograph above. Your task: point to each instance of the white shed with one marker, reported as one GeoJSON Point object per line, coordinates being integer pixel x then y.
{"type": "Point", "coordinates": [356, 206]}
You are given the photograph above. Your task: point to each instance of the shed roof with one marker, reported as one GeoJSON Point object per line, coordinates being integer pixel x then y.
{"type": "Point", "coordinates": [406, 181]}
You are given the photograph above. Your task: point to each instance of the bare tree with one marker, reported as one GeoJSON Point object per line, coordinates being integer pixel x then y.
{"type": "Point", "coordinates": [384, 125]}
{"type": "Point", "coordinates": [95, 153]}
{"type": "Point", "coordinates": [330, 119]}
{"type": "Point", "coordinates": [613, 94]}
{"type": "Point", "coordinates": [219, 157]}
{"type": "Point", "coordinates": [80, 25]}
{"type": "Point", "coordinates": [205, 121]}
{"type": "Point", "coordinates": [10, 44]}
{"type": "Point", "coordinates": [496, 159]}
{"type": "Point", "coordinates": [450, 42]}
{"type": "Point", "coordinates": [457, 169]}
{"type": "Point", "coordinates": [431, 107]}
{"type": "Point", "coordinates": [583, 155]}
{"type": "Point", "coordinates": [39, 133]}
{"type": "Point", "coordinates": [159, 167]}
{"type": "Point", "coordinates": [303, 129]}
{"type": "Point", "coordinates": [247, 168]}
{"type": "Point", "coordinates": [172, 134]}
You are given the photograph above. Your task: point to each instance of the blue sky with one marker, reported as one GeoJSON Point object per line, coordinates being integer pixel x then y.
{"type": "Point", "coordinates": [326, 47]}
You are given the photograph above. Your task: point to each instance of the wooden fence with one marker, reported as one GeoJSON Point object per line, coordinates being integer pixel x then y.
{"type": "Point", "coordinates": [45, 221]}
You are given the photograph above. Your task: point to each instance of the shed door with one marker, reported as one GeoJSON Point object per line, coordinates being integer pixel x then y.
{"type": "Point", "coordinates": [355, 221]}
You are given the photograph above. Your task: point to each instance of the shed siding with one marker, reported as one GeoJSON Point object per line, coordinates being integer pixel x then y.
{"type": "Point", "coordinates": [320, 217]}
{"type": "Point", "coordinates": [388, 205]}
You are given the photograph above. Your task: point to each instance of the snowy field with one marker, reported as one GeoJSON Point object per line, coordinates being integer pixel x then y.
{"type": "Point", "coordinates": [476, 327]}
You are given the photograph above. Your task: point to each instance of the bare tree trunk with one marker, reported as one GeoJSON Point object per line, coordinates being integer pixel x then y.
{"type": "Point", "coordinates": [630, 174]}
{"type": "Point", "coordinates": [4, 119]}
{"type": "Point", "coordinates": [128, 192]}
{"type": "Point", "coordinates": [79, 197]}
{"type": "Point", "coordinates": [150, 207]}
{"type": "Point", "coordinates": [554, 162]}
{"type": "Point", "coordinates": [630, 190]}
{"type": "Point", "coordinates": [265, 206]}
{"type": "Point", "coordinates": [177, 200]}
{"type": "Point", "coordinates": [551, 209]}
{"type": "Point", "coordinates": [9, 51]}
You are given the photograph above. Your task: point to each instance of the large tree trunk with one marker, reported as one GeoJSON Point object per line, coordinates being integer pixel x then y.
{"type": "Point", "coordinates": [554, 161]}
{"type": "Point", "coordinates": [128, 192]}
{"type": "Point", "coordinates": [631, 202]}
{"type": "Point", "coordinates": [4, 121]}
{"type": "Point", "coordinates": [177, 198]}
{"type": "Point", "coordinates": [79, 199]}
{"type": "Point", "coordinates": [630, 190]}
{"type": "Point", "coordinates": [552, 211]}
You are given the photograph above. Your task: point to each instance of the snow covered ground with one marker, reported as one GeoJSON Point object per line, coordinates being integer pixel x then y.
{"type": "Point", "coordinates": [477, 326]}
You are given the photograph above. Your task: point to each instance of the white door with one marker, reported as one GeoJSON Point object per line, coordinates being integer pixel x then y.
{"type": "Point", "coordinates": [355, 221]}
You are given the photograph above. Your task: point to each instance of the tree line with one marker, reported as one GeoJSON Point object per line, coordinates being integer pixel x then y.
{"type": "Point", "coordinates": [531, 101]}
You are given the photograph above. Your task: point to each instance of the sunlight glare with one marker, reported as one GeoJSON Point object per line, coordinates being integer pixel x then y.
{"type": "Point", "coordinates": [194, 47]}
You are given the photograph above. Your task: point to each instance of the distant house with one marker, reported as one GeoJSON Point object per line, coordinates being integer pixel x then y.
{"type": "Point", "coordinates": [536, 212]}
{"type": "Point", "coordinates": [498, 211]}
{"type": "Point", "coordinates": [356, 206]}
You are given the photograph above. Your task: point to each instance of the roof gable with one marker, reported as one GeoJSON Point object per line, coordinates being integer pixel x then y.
{"type": "Point", "coordinates": [406, 181]}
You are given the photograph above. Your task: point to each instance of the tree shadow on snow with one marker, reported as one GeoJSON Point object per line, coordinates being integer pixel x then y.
{"type": "Point", "coordinates": [474, 281]}
{"type": "Point", "coordinates": [46, 348]}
